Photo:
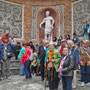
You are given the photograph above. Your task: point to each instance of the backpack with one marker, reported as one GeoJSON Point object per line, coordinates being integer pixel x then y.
{"type": "Point", "coordinates": [89, 30]}
{"type": "Point", "coordinates": [31, 57]}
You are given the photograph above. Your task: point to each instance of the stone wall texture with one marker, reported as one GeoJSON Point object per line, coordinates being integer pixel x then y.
{"type": "Point", "coordinates": [28, 4]}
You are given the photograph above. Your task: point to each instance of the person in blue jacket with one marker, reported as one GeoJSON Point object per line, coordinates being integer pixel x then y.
{"type": "Point", "coordinates": [74, 51]}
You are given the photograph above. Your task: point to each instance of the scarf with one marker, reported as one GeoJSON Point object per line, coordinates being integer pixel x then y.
{"type": "Point", "coordinates": [61, 65]}
{"type": "Point", "coordinates": [86, 51]}
{"type": "Point", "coordinates": [50, 59]}
{"type": "Point", "coordinates": [50, 55]}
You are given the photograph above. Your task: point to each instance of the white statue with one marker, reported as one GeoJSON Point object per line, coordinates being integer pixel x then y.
{"type": "Point", "coordinates": [49, 22]}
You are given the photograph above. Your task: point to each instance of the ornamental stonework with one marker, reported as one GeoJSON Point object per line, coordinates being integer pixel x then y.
{"type": "Point", "coordinates": [81, 13]}
{"type": "Point", "coordinates": [11, 19]}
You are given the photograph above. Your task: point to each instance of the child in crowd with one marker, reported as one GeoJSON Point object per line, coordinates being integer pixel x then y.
{"type": "Point", "coordinates": [34, 65]}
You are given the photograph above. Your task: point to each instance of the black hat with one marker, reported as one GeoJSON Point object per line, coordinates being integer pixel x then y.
{"type": "Point", "coordinates": [5, 41]}
{"type": "Point", "coordinates": [30, 42]}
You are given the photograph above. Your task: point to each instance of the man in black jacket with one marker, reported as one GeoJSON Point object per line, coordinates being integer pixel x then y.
{"type": "Point", "coordinates": [17, 50]}
{"type": "Point", "coordinates": [41, 56]}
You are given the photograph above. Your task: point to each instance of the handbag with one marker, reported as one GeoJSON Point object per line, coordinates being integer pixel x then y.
{"type": "Point", "coordinates": [50, 65]}
{"type": "Point", "coordinates": [9, 56]}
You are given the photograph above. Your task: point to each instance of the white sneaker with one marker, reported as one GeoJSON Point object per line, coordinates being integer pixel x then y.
{"type": "Point", "coordinates": [74, 87]}
{"type": "Point", "coordinates": [82, 84]}
{"type": "Point", "coordinates": [88, 84]}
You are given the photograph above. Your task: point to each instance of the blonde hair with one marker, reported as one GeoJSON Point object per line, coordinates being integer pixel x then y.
{"type": "Point", "coordinates": [71, 43]}
{"type": "Point", "coordinates": [86, 41]}
{"type": "Point", "coordinates": [35, 54]}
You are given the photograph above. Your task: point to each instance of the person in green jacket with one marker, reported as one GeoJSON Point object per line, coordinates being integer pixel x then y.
{"type": "Point", "coordinates": [21, 72]}
{"type": "Point", "coordinates": [53, 60]}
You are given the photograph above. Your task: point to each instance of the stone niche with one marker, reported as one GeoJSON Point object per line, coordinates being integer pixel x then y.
{"type": "Point", "coordinates": [38, 13]}
{"type": "Point", "coordinates": [11, 19]}
{"type": "Point", "coordinates": [81, 13]}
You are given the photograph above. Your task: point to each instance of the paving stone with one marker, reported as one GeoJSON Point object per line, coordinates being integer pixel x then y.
{"type": "Point", "coordinates": [17, 82]}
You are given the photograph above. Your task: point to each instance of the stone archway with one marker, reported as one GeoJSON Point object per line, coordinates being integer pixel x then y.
{"type": "Point", "coordinates": [41, 15]}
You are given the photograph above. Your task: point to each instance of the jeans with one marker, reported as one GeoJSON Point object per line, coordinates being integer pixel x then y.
{"type": "Point", "coordinates": [85, 74]}
{"type": "Point", "coordinates": [54, 83]}
{"type": "Point", "coordinates": [88, 74]}
{"type": "Point", "coordinates": [86, 37]}
{"type": "Point", "coordinates": [27, 69]}
{"type": "Point", "coordinates": [67, 82]}
{"type": "Point", "coordinates": [21, 72]}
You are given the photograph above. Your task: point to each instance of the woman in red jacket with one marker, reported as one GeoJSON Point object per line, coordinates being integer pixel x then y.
{"type": "Point", "coordinates": [25, 59]}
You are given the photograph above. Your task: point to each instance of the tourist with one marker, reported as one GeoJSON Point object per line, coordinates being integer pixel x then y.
{"type": "Point", "coordinates": [59, 44]}
{"type": "Point", "coordinates": [85, 30]}
{"type": "Point", "coordinates": [66, 70]}
{"type": "Point", "coordinates": [5, 36]}
{"type": "Point", "coordinates": [12, 40]}
{"type": "Point", "coordinates": [1, 59]}
{"type": "Point", "coordinates": [89, 33]}
{"type": "Point", "coordinates": [22, 51]}
{"type": "Point", "coordinates": [6, 54]}
{"type": "Point", "coordinates": [63, 45]}
{"type": "Point", "coordinates": [25, 59]}
{"type": "Point", "coordinates": [75, 39]}
{"type": "Point", "coordinates": [41, 56]}
{"type": "Point", "coordinates": [34, 64]}
{"type": "Point", "coordinates": [61, 38]}
{"type": "Point", "coordinates": [55, 42]}
{"type": "Point", "coordinates": [32, 46]}
{"type": "Point", "coordinates": [53, 60]}
{"type": "Point", "coordinates": [85, 63]}
{"type": "Point", "coordinates": [68, 37]}
{"type": "Point", "coordinates": [81, 43]}
{"type": "Point", "coordinates": [36, 48]}
{"type": "Point", "coordinates": [46, 50]}
{"type": "Point", "coordinates": [17, 50]}
{"type": "Point", "coordinates": [74, 51]}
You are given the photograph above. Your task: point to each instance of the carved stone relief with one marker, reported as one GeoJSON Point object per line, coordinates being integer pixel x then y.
{"type": "Point", "coordinates": [11, 19]}
{"type": "Point", "coordinates": [81, 13]}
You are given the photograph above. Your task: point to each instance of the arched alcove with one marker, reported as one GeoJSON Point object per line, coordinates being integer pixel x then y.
{"type": "Point", "coordinates": [41, 16]}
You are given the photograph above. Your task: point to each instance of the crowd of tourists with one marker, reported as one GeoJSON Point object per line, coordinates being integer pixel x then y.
{"type": "Point", "coordinates": [53, 61]}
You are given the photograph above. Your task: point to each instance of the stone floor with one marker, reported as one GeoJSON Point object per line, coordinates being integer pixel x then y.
{"type": "Point", "coordinates": [17, 82]}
